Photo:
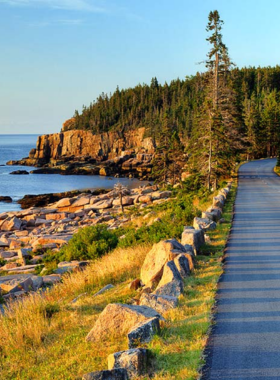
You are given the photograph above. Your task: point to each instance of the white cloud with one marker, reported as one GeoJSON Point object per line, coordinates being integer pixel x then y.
{"type": "Point", "coordinates": [75, 5]}
{"type": "Point", "coordinates": [66, 22]}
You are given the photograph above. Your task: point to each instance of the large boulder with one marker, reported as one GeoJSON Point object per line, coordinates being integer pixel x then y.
{"type": "Point", "coordinates": [118, 319]}
{"type": "Point", "coordinates": [103, 204]}
{"type": "Point", "coordinates": [204, 224]}
{"type": "Point", "coordinates": [65, 202]}
{"type": "Point", "coordinates": [126, 201]}
{"type": "Point", "coordinates": [11, 224]}
{"type": "Point", "coordinates": [215, 212]}
{"type": "Point", "coordinates": [160, 303]}
{"type": "Point", "coordinates": [135, 361]}
{"type": "Point", "coordinates": [143, 332]}
{"type": "Point", "coordinates": [193, 237]}
{"type": "Point", "coordinates": [81, 201]}
{"type": "Point", "coordinates": [159, 255]}
{"type": "Point", "coordinates": [114, 374]}
{"type": "Point", "coordinates": [171, 283]}
{"type": "Point", "coordinates": [15, 283]}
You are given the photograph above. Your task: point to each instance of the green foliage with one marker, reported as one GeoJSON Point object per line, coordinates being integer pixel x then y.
{"type": "Point", "coordinates": [89, 243]}
{"type": "Point", "coordinates": [179, 212]}
{"type": "Point", "coordinates": [168, 159]}
{"type": "Point", "coordinates": [193, 183]}
{"type": "Point", "coordinates": [146, 106]}
{"type": "Point", "coordinates": [51, 264]}
{"type": "Point", "coordinates": [38, 269]}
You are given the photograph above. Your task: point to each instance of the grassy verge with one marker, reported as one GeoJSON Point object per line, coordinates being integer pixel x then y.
{"type": "Point", "coordinates": [43, 337]}
{"type": "Point", "coordinates": [179, 350]}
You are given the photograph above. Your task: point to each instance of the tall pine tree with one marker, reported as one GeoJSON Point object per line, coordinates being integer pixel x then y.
{"type": "Point", "coordinates": [215, 139]}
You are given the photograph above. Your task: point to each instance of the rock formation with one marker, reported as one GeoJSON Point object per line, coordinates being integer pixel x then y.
{"type": "Point", "coordinates": [81, 152]}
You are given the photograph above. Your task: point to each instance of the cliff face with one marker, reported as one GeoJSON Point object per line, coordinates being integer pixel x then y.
{"type": "Point", "coordinates": [77, 144]}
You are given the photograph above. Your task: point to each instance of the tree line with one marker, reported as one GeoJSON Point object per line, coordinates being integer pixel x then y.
{"type": "Point", "coordinates": [213, 118]}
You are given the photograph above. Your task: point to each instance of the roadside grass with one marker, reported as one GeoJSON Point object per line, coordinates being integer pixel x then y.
{"type": "Point", "coordinates": [178, 351]}
{"type": "Point", "coordinates": [43, 336]}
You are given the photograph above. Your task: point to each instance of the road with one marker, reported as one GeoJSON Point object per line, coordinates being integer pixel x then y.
{"type": "Point", "coordinates": [245, 340]}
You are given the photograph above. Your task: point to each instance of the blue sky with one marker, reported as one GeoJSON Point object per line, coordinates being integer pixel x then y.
{"type": "Point", "coordinates": [57, 55]}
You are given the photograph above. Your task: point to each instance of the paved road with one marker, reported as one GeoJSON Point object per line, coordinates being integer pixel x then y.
{"type": "Point", "coordinates": [245, 342]}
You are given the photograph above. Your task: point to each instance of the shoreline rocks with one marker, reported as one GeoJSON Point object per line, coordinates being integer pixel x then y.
{"type": "Point", "coordinates": [26, 236]}
{"type": "Point", "coordinates": [42, 200]}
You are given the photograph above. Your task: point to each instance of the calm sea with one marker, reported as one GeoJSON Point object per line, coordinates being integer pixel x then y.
{"type": "Point", "coordinates": [15, 147]}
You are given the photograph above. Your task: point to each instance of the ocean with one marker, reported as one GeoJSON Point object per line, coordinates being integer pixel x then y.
{"type": "Point", "coordinates": [15, 147]}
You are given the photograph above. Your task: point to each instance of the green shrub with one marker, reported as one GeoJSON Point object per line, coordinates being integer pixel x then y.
{"type": "Point", "coordinates": [88, 243]}
{"type": "Point", "coordinates": [178, 214]}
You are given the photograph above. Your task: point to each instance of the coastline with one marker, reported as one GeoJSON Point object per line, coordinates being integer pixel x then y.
{"type": "Point", "coordinates": [27, 236]}
{"type": "Point", "coordinates": [57, 185]}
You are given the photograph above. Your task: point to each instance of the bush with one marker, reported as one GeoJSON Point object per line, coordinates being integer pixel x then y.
{"type": "Point", "coordinates": [179, 213]}
{"type": "Point", "coordinates": [88, 243]}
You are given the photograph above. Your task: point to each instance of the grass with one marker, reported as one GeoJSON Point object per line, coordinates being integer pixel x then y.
{"type": "Point", "coordinates": [43, 337]}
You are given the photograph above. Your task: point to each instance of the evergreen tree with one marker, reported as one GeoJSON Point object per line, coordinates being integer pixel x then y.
{"type": "Point", "coordinates": [176, 158]}
{"type": "Point", "coordinates": [215, 139]}
{"type": "Point", "coordinates": [161, 161]}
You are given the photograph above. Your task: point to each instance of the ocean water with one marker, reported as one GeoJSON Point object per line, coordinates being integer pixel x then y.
{"type": "Point", "coordinates": [15, 147]}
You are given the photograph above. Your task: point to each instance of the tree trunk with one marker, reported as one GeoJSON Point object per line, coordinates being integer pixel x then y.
{"type": "Point", "coordinates": [216, 81]}
{"type": "Point", "coordinates": [210, 161]}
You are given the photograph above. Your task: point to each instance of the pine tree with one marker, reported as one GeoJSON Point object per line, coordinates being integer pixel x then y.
{"type": "Point", "coordinates": [176, 158]}
{"type": "Point", "coordinates": [216, 137]}
{"type": "Point", "coordinates": [161, 161]}
{"type": "Point", "coordinates": [252, 122]}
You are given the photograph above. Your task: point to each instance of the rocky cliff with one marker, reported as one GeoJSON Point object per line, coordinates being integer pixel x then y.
{"type": "Point", "coordinates": [115, 151]}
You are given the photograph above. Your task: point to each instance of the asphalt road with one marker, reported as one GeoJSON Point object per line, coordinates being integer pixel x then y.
{"type": "Point", "coordinates": [245, 341]}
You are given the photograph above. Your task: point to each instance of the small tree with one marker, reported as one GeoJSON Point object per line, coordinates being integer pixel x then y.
{"type": "Point", "coordinates": [120, 190]}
